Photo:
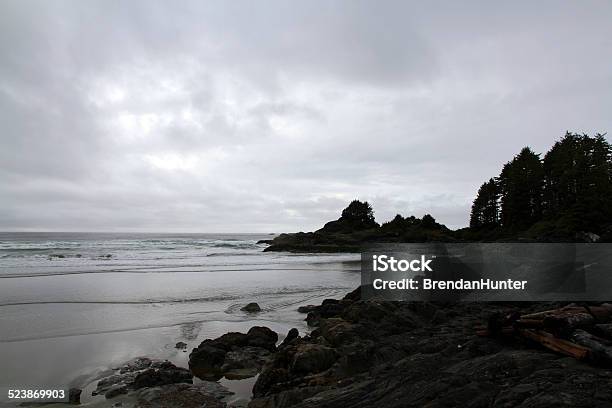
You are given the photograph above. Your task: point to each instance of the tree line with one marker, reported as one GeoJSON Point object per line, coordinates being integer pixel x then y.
{"type": "Point", "coordinates": [570, 187]}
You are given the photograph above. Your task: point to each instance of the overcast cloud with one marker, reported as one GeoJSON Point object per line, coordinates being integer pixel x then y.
{"type": "Point", "coordinates": [266, 116]}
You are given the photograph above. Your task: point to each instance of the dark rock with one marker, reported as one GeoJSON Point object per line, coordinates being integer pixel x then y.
{"type": "Point", "coordinates": [403, 354]}
{"type": "Point", "coordinates": [338, 331]}
{"type": "Point", "coordinates": [291, 335]}
{"type": "Point", "coordinates": [259, 336]}
{"type": "Point", "coordinates": [205, 361]}
{"type": "Point", "coordinates": [181, 345]}
{"type": "Point", "coordinates": [307, 308]}
{"type": "Point", "coordinates": [289, 398]}
{"type": "Point", "coordinates": [312, 318]}
{"type": "Point", "coordinates": [137, 364]}
{"type": "Point", "coordinates": [115, 390]}
{"type": "Point", "coordinates": [330, 309]}
{"type": "Point", "coordinates": [234, 354]}
{"type": "Point", "coordinates": [354, 295]}
{"type": "Point", "coordinates": [268, 380]}
{"type": "Point", "coordinates": [205, 394]}
{"type": "Point", "coordinates": [154, 377]}
{"type": "Point", "coordinates": [312, 358]}
{"type": "Point", "coordinates": [141, 373]}
{"type": "Point", "coordinates": [349, 233]}
{"type": "Point", "coordinates": [439, 317]}
{"type": "Point", "coordinates": [113, 380]}
{"type": "Point", "coordinates": [251, 308]}
{"type": "Point", "coordinates": [74, 396]}
{"type": "Point", "coordinates": [244, 362]}
{"type": "Point", "coordinates": [231, 340]}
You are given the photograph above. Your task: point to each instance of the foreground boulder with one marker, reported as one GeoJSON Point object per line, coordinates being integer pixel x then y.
{"type": "Point", "coordinates": [233, 355]}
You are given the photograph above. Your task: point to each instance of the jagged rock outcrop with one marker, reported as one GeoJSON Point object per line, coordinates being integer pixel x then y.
{"type": "Point", "coordinates": [402, 354]}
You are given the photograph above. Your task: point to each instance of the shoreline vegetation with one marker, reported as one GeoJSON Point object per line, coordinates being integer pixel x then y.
{"type": "Point", "coordinates": [566, 196]}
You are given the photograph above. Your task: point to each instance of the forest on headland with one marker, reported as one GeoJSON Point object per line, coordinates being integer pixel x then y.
{"type": "Point", "coordinates": [564, 196]}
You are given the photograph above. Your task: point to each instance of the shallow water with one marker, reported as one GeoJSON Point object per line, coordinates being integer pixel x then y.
{"type": "Point", "coordinates": [69, 311]}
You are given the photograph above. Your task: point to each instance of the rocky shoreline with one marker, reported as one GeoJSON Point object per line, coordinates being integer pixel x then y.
{"type": "Point", "coordinates": [395, 354]}
{"type": "Point", "coordinates": [371, 354]}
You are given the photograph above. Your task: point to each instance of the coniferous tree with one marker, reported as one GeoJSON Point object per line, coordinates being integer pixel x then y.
{"type": "Point", "coordinates": [428, 221]}
{"type": "Point", "coordinates": [485, 209]}
{"type": "Point", "coordinates": [571, 186]}
{"type": "Point", "coordinates": [578, 181]}
{"type": "Point", "coordinates": [358, 215]}
{"type": "Point", "coordinates": [359, 212]}
{"type": "Point", "coordinates": [520, 185]}
{"type": "Point", "coordinates": [476, 218]}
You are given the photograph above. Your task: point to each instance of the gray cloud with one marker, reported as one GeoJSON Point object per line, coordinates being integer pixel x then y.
{"type": "Point", "coordinates": [250, 116]}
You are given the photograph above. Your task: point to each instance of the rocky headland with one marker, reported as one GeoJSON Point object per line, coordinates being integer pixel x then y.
{"type": "Point", "coordinates": [356, 227]}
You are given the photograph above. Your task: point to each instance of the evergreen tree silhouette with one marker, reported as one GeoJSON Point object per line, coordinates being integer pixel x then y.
{"type": "Point", "coordinates": [520, 183]}
{"type": "Point", "coordinates": [485, 209]}
{"type": "Point", "coordinates": [578, 181]}
{"type": "Point", "coordinates": [570, 189]}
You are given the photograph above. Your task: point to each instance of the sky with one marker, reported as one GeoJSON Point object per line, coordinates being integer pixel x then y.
{"type": "Point", "coordinates": [271, 116]}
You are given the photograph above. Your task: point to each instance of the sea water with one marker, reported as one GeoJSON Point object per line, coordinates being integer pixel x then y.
{"type": "Point", "coordinates": [73, 305]}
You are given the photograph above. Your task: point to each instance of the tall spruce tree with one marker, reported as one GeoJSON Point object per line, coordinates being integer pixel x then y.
{"type": "Point", "coordinates": [572, 184]}
{"type": "Point", "coordinates": [578, 181]}
{"type": "Point", "coordinates": [485, 209]}
{"type": "Point", "coordinates": [520, 184]}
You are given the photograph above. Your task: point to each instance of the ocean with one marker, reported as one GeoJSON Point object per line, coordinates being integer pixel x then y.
{"type": "Point", "coordinates": [73, 305]}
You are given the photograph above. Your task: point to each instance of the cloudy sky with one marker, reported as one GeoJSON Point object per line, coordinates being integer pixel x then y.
{"type": "Point", "coordinates": [216, 116]}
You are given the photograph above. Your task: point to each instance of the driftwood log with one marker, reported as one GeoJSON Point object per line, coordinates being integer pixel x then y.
{"type": "Point", "coordinates": [582, 332]}
{"type": "Point", "coordinates": [599, 350]}
{"type": "Point", "coordinates": [555, 344]}
{"type": "Point", "coordinates": [565, 323]}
